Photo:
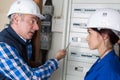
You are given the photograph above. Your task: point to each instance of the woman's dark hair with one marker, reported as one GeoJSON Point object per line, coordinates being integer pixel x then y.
{"type": "Point", "coordinates": [113, 37]}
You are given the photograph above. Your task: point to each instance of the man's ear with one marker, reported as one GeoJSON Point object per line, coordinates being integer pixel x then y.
{"type": "Point", "coordinates": [16, 18]}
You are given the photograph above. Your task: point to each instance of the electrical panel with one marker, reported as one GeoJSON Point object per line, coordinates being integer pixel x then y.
{"type": "Point", "coordinates": [46, 34]}
{"type": "Point", "coordinates": [46, 24]}
{"type": "Point", "coordinates": [80, 58]}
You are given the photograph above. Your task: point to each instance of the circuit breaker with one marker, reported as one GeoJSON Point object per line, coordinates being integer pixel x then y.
{"type": "Point", "coordinates": [80, 58]}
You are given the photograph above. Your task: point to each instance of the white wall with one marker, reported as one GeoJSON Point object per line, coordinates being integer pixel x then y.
{"type": "Point", "coordinates": [56, 45]}
{"type": "Point", "coordinates": [59, 28]}
{"type": "Point", "coordinates": [4, 7]}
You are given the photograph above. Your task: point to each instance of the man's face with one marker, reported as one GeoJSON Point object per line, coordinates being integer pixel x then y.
{"type": "Point", "coordinates": [27, 25]}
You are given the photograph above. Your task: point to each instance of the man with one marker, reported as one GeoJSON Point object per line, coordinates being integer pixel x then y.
{"type": "Point", "coordinates": [14, 44]}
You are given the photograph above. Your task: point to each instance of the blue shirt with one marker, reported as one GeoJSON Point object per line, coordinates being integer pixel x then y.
{"type": "Point", "coordinates": [13, 66]}
{"type": "Point", "coordinates": [107, 68]}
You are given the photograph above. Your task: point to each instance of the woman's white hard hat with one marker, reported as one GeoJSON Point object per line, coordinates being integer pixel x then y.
{"type": "Point", "coordinates": [25, 7]}
{"type": "Point", "coordinates": [105, 18]}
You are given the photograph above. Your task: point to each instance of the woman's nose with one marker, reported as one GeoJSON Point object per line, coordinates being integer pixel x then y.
{"type": "Point", "coordinates": [87, 38]}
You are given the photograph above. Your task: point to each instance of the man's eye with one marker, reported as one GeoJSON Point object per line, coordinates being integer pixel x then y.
{"type": "Point", "coordinates": [33, 21]}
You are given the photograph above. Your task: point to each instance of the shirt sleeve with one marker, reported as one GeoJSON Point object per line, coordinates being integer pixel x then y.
{"type": "Point", "coordinates": [12, 66]}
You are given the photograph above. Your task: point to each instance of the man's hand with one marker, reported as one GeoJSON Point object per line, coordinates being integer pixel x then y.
{"type": "Point", "coordinates": [60, 54]}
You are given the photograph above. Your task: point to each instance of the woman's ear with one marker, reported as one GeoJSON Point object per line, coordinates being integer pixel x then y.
{"type": "Point", "coordinates": [118, 42]}
{"type": "Point", "coordinates": [105, 36]}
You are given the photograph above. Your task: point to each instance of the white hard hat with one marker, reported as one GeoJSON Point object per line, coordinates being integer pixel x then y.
{"type": "Point", "coordinates": [25, 7]}
{"type": "Point", "coordinates": [105, 18]}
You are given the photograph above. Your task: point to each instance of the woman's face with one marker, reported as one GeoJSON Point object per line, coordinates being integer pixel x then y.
{"type": "Point", "coordinates": [94, 39]}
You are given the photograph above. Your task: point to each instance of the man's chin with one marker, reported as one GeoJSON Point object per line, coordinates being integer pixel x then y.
{"type": "Point", "coordinates": [29, 38]}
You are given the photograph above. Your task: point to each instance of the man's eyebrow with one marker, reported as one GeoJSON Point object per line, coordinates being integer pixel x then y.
{"type": "Point", "coordinates": [34, 17]}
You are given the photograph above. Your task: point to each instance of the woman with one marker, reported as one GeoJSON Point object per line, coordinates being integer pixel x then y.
{"type": "Point", "coordinates": [103, 28]}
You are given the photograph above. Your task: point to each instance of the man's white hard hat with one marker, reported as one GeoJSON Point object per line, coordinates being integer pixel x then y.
{"type": "Point", "coordinates": [105, 18]}
{"type": "Point", "coordinates": [25, 7]}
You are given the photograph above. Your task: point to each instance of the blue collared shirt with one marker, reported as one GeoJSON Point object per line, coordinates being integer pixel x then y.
{"type": "Point", "coordinates": [12, 66]}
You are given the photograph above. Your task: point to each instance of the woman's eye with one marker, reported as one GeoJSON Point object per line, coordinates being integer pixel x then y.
{"type": "Point", "coordinates": [88, 32]}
